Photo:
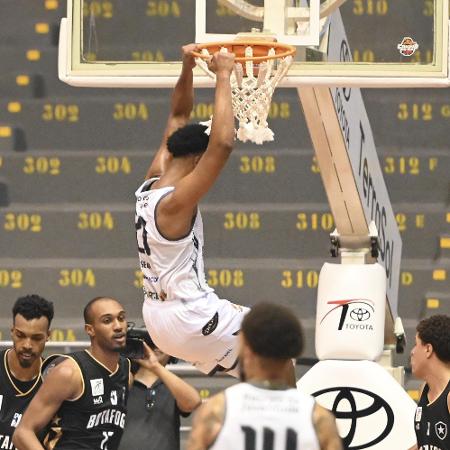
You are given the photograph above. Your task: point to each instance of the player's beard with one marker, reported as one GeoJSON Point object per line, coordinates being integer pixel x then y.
{"type": "Point", "coordinates": [109, 344]}
{"type": "Point", "coordinates": [26, 363]}
{"type": "Point", "coordinates": [115, 346]}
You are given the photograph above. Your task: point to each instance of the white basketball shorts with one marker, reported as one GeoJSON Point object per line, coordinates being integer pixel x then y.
{"type": "Point", "coordinates": [203, 332]}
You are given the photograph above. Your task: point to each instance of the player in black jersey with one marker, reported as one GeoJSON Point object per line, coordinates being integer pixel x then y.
{"type": "Point", "coordinates": [84, 394]}
{"type": "Point", "coordinates": [430, 361]}
{"type": "Point", "coordinates": [20, 365]}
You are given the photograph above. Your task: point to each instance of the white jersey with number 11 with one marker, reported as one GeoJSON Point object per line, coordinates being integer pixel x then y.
{"type": "Point", "coordinates": [258, 418]}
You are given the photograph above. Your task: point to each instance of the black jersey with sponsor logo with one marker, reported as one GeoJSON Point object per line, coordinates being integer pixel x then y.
{"type": "Point", "coordinates": [96, 419]}
{"type": "Point", "coordinates": [15, 395]}
{"type": "Point", "coordinates": [432, 422]}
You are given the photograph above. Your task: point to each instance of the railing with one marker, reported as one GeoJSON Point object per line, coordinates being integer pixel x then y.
{"type": "Point", "coordinates": [182, 368]}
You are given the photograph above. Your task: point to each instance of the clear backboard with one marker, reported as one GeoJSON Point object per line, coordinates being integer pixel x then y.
{"type": "Point", "coordinates": [137, 43]}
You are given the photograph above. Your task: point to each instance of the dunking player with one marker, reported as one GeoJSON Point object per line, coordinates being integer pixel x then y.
{"type": "Point", "coordinates": [20, 366]}
{"type": "Point", "coordinates": [183, 315]}
{"type": "Point", "coordinates": [265, 412]}
{"type": "Point", "coordinates": [84, 394]}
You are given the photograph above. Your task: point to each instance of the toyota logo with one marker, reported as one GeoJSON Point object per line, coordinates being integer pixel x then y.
{"type": "Point", "coordinates": [359, 314]}
{"type": "Point", "coordinates": [346, 406]}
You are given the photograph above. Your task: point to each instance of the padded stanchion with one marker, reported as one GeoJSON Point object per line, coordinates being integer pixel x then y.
{"type": "Point", "coordinates": [350, 311]}
{"type": "Point", "coordinates": [372, 410]}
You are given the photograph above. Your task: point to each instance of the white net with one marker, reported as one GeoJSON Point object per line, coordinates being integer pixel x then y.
{"type": "Point", "coordinates": [252, 90]}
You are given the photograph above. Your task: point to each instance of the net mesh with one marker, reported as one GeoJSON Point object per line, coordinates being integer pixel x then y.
{"type": "Point", "coordinates": [252, 88]}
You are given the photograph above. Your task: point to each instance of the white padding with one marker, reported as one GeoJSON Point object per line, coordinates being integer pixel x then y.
{"type": "Point", "coordinates": [372, 410]}
{"type": "Point", "coordinates": [350, 311]}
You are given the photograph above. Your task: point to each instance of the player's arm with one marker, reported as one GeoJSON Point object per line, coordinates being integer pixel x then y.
{"type": "Point", "coordinates": [180, 111]}
{"type": "Point", "coordinates": [130, 375]}
{"type": "Point", "coordinates": [326, 430]}
{"type": "Point", "coordinates": [62, 383]}
{"type": "Point", "coordinates": [191, 188]}
{"type": "Point", "coordinates": [448, 402]}
{"type": "Point", "coordinates": [207, 423]}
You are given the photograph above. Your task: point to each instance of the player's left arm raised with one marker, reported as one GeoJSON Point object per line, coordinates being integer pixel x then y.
{"type": "Point", "coordinates": [448, 402]}
{"type": "Point", "coordinates": [182, 202]}
{"type": "Point", "coordinates": [180, 111]}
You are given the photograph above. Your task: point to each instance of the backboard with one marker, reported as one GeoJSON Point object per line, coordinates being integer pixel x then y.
{"type": "Point", "coordinates": [123, 43]}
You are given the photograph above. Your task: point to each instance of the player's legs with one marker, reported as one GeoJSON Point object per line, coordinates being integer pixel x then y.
{"type": "Point", "coordinates": [203, 331]}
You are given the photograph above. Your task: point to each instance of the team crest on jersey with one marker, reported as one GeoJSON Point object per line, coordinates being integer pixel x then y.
{"type": "Point", "coordinates": [97, 387]}
{"type": "Point", "coordinates": [441, 430]}
{"type": "Point", "coordinates": [114, 397]}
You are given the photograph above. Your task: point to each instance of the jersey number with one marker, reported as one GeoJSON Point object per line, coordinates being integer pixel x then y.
{"type": "Point", "coordinates": [141, 236]}
{"type": "Point", "coordinates": [268, 438]}
{"type": "Point", "coordinates": [106, 436]}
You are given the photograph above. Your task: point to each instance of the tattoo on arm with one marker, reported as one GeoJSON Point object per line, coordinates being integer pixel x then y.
{"type": "Point", "coordinates": [327, 433]}
{"type": "Point", "coordinates": [207, 424]}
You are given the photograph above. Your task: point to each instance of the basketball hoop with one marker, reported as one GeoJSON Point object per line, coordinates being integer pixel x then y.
{"type": "Point", "coordinates": [259, 67]}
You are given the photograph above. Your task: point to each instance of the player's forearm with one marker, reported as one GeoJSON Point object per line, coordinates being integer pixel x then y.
{"type": "Point", "coordinates": [197, 437]}
{"type": "Point", "coordinates": [222, 129]}
{"type": "Point", "coordinates": [207, 423]}
{"type": "Point", "coordinates": [334, 443]}
{"type": "Point", "coordinates": [180, 111]}
{"type": "Point", "coordinates": [159, 163]}
{"type": "Point", "coordinates": [326, 429]}
{"type": "Point", "coordinates": [26, 439]}
{"type": "Point", "coordinates": [183, 94]}
{"type": "Point", "coordinates": [185, 395]}
{"type": "Point", "coordinates": [193, 444]}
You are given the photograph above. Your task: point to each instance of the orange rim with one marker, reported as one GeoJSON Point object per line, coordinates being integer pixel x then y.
{"type": "Point", "coordinates": [238, 47]}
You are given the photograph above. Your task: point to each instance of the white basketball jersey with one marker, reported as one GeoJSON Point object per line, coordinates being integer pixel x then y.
{"type": "Point", "coordinates": [265, 419]}
{"type": "Point", "coordinates": [172, 269]}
